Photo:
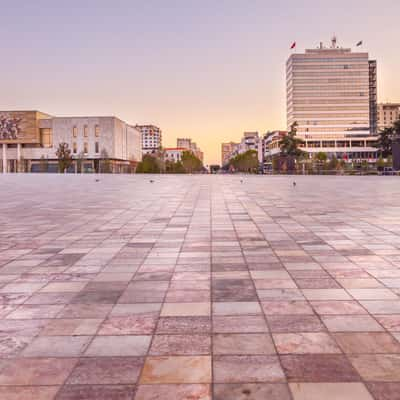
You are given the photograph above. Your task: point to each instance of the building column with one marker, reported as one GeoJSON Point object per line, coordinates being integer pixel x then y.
{"type": "Point", "coordinates": [4, 158]}
{"type": "Point", "coordinates": [19, 165]}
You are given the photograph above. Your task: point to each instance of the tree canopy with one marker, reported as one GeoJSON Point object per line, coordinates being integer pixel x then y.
{"type": "Point", "coordinates": [64, 156]}
{"type": "Point", "coordinates": [191, 163]}
{"type": "Point", "coordinates": [245, 162]}
{"type": "Point", "coordinates": [290, 144]}
{"type": "Point", "coordinates": [148, 165]}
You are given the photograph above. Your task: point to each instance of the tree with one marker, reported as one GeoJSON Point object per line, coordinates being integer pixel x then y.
{"type": "Point", "coordinates": [79, 162]}
{"type": "Point", "coordinates": [384, 142]}
{"type": "Point", "coordinates": [148, 165]}
{"type": "Point", "coordinates": [333, 164]}
{"type": "Point", "coordinates": [43, 164]}
{"type": "Point", "coordinates": [380, 164]}
{"type": "Point", "coordinates": [63, 154]}
{"type": "Point", "coordinates": [190, 162]}
{"type": "Point", "coordinates": [290, 144]}
{"type": "Point", "coordinates": [105, 162]}
{"type": "Point", "coordinates": [245, 162]}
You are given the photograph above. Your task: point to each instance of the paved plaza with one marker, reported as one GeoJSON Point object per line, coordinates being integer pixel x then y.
{"type": "Point", "coordinates": [199, 288]}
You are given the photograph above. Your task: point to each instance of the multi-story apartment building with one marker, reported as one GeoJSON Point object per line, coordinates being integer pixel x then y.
{"type": "Point", "coordinates": [249, 141]}
{"type": "Point", "coordinates": [31, 139]}
{"type": "Point", "coordinates": [388, 114]}
{"type": "Point", "coordinates": [331, 94]}
{"type": "Point", "coordinates": [228, 150]}
{"type": "Point", "coordinates": [151, 138]}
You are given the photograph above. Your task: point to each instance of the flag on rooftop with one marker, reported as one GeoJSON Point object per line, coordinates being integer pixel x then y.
{"type": "Point", "coordinates": [359, 43]}
{"type": "Point", "coordinates": [293, 45]}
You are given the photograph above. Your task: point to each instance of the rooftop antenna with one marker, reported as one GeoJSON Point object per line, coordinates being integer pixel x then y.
{"type": "Point", "coordinates": [334, 41]}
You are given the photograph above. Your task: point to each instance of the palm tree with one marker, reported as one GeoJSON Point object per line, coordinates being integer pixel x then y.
{"type": "Point", "coordinates": [290, 148]}
{"type": "Point", "coordinates": [290, 144]}
{"type": "Point", "coordinates": [384, 142]}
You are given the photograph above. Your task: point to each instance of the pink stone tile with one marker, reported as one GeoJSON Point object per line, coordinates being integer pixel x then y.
{"type": "Point", "coordinates": [295, 323]}
{"type": "Point", "coordinates": [11, 346]}
{"type": "Point", "coordinates": [239, 324]}
{"type": "Point", "coordinates": [183, 325]}
{"type": "Point", "coordinates": [176, 369]}
{"type": "Point", "coordinates": [351, 323]}
{"type": "Point", "coordinates": [390, 322]}
{"type": "Point", "coordinates": [382, 306]}
{"type": "Point", "coordinates": [384, 390]}
{"type": "Point", "coordinates": [253, 391]}
{"type": "Point", "coordinates": [244, 343]}
{"type": "Point", "coordinates": [36, 371]}
{"type": "Point", "coordinates": [35, 311]}
{"type": "Point", "coordinates": [326, 294]}
{"type": "Point", "coordinates": [330, 391]}
{"type": "Point", "coordinates": [187, 296]}
{"type": "Point", "coordinates": [106, 371]}
{"type": "Point", "coordinates": [185, 309]}
{"type": "Point", "coordinates": [367, 342]}
{"type": "Point", "coordinates": [85, 311]}
{"type": "Point", "coordinates": [28, 392]}
{"type": "Point", "coordinates": [238, 369]}
{"type": "Point", "coordinates": [286, 307]}
{"type": "Point", "coordinates": [318, 368]}
{"type": "Point", "coordinates": [180, 345]}
{"type": "Point", "coordinates": [71, 327]}
{"type": "Point", "coordinates": [127, 345]}
{"type": "Point", "coordinates": [332, 307]}
{"type": "Point", "coordinates": [236, 308]}
{"type": "Point", "coordinates": [377, 367]}
{"type": "Point", "coordinates": [141, 324]}
{"type": "Point", "coordinates": [57, 346]}
{"type": "Point", "coordinates": [96, 392]}
{"type": "Point", "coordinates": [174, 392]}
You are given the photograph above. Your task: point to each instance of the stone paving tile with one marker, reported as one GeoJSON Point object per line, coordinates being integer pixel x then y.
{"type": "Point", "coordinates": [106, 371]}
{"type": "Point", "coordinates": [199, 287]}
{"type": "Point", "coordinates": [255, 391]}
{"type": "Point", "coordinates": [28, 392]}
{"type": "Point", "coordinates": [330, 391]}
{"type": "Point", "coordinates": [174, 392]}
{"type": "Point", "coordinates": [96, 392]}
{"type": "Point", "coordinates": [177, 369]}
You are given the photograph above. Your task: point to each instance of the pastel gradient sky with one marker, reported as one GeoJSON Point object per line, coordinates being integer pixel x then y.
{"type": "Point", "coordinates": [207, 69]}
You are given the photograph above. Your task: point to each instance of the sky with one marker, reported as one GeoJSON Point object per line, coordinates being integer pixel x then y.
{"type": "Point", "coordinates": [208, 69]}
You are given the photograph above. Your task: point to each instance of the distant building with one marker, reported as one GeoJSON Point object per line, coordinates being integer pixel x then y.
{"type": "Point", "coordinates": [249, 141]}
{"type": "Point", "coordinates": [331, 94]}
{"type": "Point", "coordinates": [187, 144]}
{"type": "Point", "coordinates": [151, 138]}
{"type": "Point", "coordinates": [388, 114]}
{"type": "Point", "coordinates": [228, 150]}
{"type": "Point", "coordinates": [173, 154]}
{"type": "Point", "coordinates": [31, 138]}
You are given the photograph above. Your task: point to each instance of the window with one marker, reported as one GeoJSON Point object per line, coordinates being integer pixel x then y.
{"type": "Point", "coordinates": [96, 147]}
{"type": "Point", "coordinates": [85, 131]}
{"type": "Point", "coordinates": [86, 148]}
{"type": "Point", "coordinates": [97, 130]}
{"type": "Point", "coordinates": [74, 148]}
{"type": "Point", "coordinates": [46, 137]}
{"type": "Point", "coordinates": [75, 132]}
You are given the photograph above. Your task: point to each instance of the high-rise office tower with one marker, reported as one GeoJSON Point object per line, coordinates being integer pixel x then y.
{"type": "Point", "coordinates": [331, 94]}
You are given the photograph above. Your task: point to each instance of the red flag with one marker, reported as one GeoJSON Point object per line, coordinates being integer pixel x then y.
{"type": "Point", "coordinates": [293, 45]}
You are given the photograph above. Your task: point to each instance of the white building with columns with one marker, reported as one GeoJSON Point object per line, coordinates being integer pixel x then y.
{"type": "Point", "coordinates": [30, 139]}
